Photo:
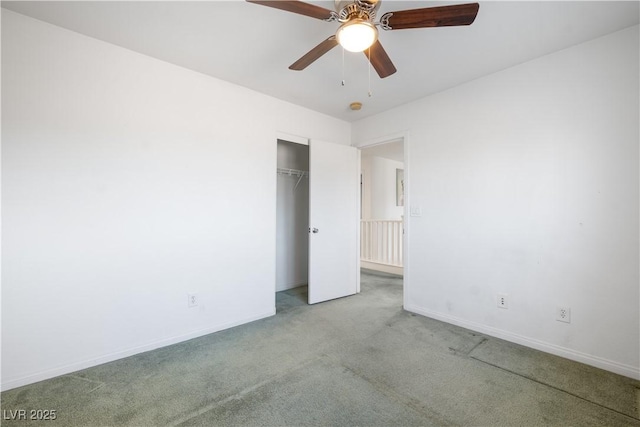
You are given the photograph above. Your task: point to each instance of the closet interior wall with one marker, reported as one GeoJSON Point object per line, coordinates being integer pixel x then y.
{"type": "Point", "coordinates": [292, 235]}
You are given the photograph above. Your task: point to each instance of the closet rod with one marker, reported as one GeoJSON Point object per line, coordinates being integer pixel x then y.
{"type": "Point", "coordinates": [292, 172]}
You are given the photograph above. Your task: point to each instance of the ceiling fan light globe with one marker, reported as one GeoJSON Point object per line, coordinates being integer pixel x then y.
{"type": "Point", "coordinates": [357, 35]}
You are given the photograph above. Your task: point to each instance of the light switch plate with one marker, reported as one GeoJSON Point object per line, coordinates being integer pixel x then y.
{"type": "Point", "coordinates": [415, 210]}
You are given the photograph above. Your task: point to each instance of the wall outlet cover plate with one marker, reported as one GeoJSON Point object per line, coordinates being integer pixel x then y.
{"type": "Point", "coordinates": [503, 301]}
{"type": "Point", "coordinates": [563, 314]}
{"type": "Point", "coordinates": [192, 300]}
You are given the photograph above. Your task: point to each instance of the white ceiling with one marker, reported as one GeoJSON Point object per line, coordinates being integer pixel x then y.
{"type": "Point", "coordinates": [252, 45]}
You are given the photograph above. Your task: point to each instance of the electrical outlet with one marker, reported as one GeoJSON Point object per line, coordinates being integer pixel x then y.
{"type": "Point", "coordinates": [563, 314]}
{"type": "Point", "coordinates": [503, 301]}
{"type": "Point", "coordinates": [192, 300]}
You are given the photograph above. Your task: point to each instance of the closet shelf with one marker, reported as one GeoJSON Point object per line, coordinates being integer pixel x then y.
{"type": "Point", "coordinates": [293, 172]}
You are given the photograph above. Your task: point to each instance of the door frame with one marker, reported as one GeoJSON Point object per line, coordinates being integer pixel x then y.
{"type": "Point", "coordinates": [404, 137]}
{"type": "Point", "coordinates": [295, 139]}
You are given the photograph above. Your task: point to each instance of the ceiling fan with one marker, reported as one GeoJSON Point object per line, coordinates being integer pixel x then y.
{"type": "Point", "coordinates": [358, 31]}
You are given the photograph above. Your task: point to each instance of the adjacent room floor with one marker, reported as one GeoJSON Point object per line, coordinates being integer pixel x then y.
{"type": "Point", "coordinates": [357, 361]}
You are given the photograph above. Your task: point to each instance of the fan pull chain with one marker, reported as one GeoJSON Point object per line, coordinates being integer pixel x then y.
{"type": "Point", "coordinates": [342, 66]}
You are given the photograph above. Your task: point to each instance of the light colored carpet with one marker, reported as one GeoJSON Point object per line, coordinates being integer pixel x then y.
{"type": "Point", "coordinates": [357, 361]}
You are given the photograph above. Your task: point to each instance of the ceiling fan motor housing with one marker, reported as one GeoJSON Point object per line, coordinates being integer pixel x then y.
{"type": "Point", "coordinates": [363, 9]}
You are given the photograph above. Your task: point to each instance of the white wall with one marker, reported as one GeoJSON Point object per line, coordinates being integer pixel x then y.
{"type": "Point", "coordinates": [127, 183]}
{"type": "Point", "coordinates": [383, 189]}
{"type": "Point", "coordinates": [365, 187]}
{"type": "Point", "coordinates": [528, 184]}
{"type": "Point", "coordinates": [292, 216]}
{"type": "Point", "coordinates": [379, 188]}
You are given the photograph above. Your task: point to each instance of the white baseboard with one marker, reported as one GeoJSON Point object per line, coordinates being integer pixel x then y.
{"type": "Point", "coordinates": [382, 267]}
{"type": "Point", "coordinates": [77, 366]}
{"type": "Point", "coordinates": [287, 286]}
{"type": "Point", "coordinates": [567, 353]}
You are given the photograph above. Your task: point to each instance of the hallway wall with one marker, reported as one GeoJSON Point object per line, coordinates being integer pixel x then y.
{"type": "Point", "coordinates": [379, 196]}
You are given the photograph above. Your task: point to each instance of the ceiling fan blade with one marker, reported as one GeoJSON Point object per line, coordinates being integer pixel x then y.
{"type": "Point", "coordinates": [441, 16]}
{"type": "Point", "coordinates": [314, 54]}
{"type": "Point", "coordinates": [380, 60]}
{"type": "Point", "coordinates": [296, 6]}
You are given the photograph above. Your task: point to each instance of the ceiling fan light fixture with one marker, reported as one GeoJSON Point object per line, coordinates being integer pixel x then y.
{"type": "Point", "coordinates": [357, 35]}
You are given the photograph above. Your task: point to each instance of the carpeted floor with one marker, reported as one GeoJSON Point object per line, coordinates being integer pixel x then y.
{"type": "Point", "coordinates": [357, 361]}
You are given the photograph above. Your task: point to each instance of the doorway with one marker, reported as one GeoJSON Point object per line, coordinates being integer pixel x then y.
{"type": "Point", "coordinates": [383, 222]}
{"type": "Point", "coordinates": [292, 219]}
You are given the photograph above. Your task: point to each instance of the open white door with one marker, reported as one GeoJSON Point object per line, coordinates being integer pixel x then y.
{"type": "Point", "coordinates": [333, 221]}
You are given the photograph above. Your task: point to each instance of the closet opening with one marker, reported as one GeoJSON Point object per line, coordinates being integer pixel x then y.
{"type": "Point", "coordinates": [292, 225]}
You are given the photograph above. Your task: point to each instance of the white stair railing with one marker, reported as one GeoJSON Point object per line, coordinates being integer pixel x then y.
{"type": "Point", "coordinates": [381, 241]}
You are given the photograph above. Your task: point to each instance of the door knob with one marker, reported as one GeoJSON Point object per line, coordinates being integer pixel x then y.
{"type": "Point", "coordinates": [314, 230]}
